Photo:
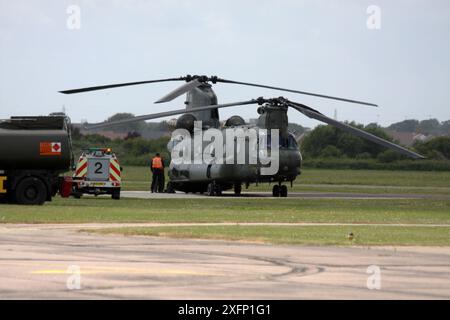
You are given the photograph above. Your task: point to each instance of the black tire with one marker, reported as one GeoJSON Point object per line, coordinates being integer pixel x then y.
{"type": "Point", "coordinates": [170, 188]}
{"type": "Point", "coordinates": [77, 195]}
{"type": "Point", "coordinates": [115, 194]}
{"type": "Point", "coordinates": [276, 191]}
{"type": "Point", "coordinates": [31, 191]}
{"type": "Point", "coordinates": [210, 191]}
{"type": "Point", "coordinates": [218, 190]}
{"type": "Point", "coordinates": [283, 191]}
{"type": "Point", "coordinates": [237, 189]}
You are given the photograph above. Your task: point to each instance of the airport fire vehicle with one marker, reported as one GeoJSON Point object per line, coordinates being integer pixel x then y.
{"type": "Point", "coordinates": [97, 172]}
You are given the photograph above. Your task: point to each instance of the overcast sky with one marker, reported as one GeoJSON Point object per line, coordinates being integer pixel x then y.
{"type": "Point", "coordinates": [319, 46]}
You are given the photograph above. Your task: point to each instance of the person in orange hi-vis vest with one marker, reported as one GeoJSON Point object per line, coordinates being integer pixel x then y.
{"type": "Point", "coordinates": [157, 168]}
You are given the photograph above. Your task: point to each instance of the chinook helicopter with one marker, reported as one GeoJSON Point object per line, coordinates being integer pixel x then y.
{"type": "Point", "coordinates": [216, 176]}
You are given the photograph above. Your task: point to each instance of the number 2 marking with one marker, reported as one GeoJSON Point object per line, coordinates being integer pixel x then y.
{"type": "Point", "coordinates": [99, 167]}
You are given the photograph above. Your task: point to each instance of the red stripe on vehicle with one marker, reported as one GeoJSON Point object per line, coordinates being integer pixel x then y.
{"type": "Point", "coordinates": [81, 168]}
{"type": "Point", "coordinates": [117, 171]}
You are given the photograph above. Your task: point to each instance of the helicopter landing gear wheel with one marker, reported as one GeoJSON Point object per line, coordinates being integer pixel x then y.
{"type": "Point", "coordinates": [214, 189]}
{"type": "Point", "coordinates": [217, 189]}
{"type": "Point", "coordinates": [276, 191]}
{"type": "Point", "coordinates": [170, 188]}
{"type": "Point", "coordinates": [237, 189]}
{"type": "Point", "coordinates": [283, 191]}
{"type": "Point", "coordinates": [211, 190]}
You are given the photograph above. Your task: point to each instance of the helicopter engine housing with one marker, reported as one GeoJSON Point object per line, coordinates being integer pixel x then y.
{"type": "Point", "coordinates": [235, 121]}
{"type": "Point", "coordinates": [186, 121]}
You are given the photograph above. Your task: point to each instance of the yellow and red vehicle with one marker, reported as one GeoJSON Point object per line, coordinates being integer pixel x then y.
{"type": "Point", "coordinates": [97, 172]}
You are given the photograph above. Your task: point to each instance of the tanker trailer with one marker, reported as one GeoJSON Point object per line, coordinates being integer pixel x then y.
{"type": "Point", "coordinates": [34, 151]}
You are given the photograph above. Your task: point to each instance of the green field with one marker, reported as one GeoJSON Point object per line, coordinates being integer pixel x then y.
{"type": "Point", "coordinates": [269, 210]}
{"type": "Point", "coordinates": [230, 210]}
{"type": "Point", "coordinates": [367, 181]}
{"type": "Point", "coordinates": [310, 235]}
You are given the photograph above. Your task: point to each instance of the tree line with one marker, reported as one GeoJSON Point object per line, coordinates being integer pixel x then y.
{"type": "Point", "coordinates": [321, 147]}
{"type": "Point", "coordinates": [427, 127]}
{"type": "Point", "coordinates": [329, 142]}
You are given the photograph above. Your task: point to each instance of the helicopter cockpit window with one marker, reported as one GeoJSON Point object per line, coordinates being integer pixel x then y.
{"type": "Point", "coordinates": [292, 144]}
{"type": "Point", "coordinates": [269, 143]}
{"type": "Point", "coordinates": [284, 143]}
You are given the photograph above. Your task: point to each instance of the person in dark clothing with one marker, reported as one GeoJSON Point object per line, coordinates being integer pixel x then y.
{"type": "Point", "coordinates": [157, 168]}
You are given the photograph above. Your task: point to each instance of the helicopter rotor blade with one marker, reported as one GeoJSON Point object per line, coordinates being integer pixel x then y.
{"type": "Point", "coordinates": [168, 113]}
{"type": "Point", "coordinates": [116, 85]}
{"type": "Point", "coordinates": [180, 90]}
{"type": "Point", "coordinates": [295, 91]}
{"type": "Point", "coordinates": [314, 114]}
{"type": "Point", "coordinates": [195, 81]}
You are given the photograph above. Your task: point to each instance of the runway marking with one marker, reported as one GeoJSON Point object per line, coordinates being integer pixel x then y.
{"type": "Point", "coordinates": [58, 268]}
{"type": "Point", "coordinates": [127, 271]}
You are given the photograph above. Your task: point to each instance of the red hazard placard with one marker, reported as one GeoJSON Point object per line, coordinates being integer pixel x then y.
{"type": "Point", "coordinates": [50, 148]}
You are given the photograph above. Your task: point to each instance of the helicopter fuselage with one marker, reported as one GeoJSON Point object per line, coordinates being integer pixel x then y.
{"type": "Point", "coordinates": [195, 177]}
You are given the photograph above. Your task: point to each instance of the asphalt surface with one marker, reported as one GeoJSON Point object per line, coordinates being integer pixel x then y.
{"type": "Point", "coordinates": [38, 261]}
{"type": "Point", "coordinates": [268, 195]}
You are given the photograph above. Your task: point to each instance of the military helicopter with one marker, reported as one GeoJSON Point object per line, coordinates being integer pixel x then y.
{"type": "Point", "coordinates": [201, 105]}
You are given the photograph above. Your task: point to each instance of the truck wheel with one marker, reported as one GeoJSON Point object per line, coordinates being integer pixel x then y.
{"type": "Point", "coordinates": [77, 195]}
{"type": "Point", "coordinates": [31, 190]}
{"type": "Point", "coordinates": [116, 194]}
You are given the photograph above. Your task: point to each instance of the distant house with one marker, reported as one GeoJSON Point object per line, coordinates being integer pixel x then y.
{"type": "Point", "coordinates": [154, 134]}
{"type": "Point", "coordinates": [112, 135]}
{"type": "Point", "coordinates": [105, 133]}
{"type": "Point", "coordinates": [408, 138]}
{"type": "Point", "coordinates": [422, 137]}
{"type": "Point", "coordinates": [146, 133]}
{"type": "Point", "coordinates": [404, 138]}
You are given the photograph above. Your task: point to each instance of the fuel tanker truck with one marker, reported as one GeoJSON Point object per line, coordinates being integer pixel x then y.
{"type": "Point", "coordinates": [34, 152]}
